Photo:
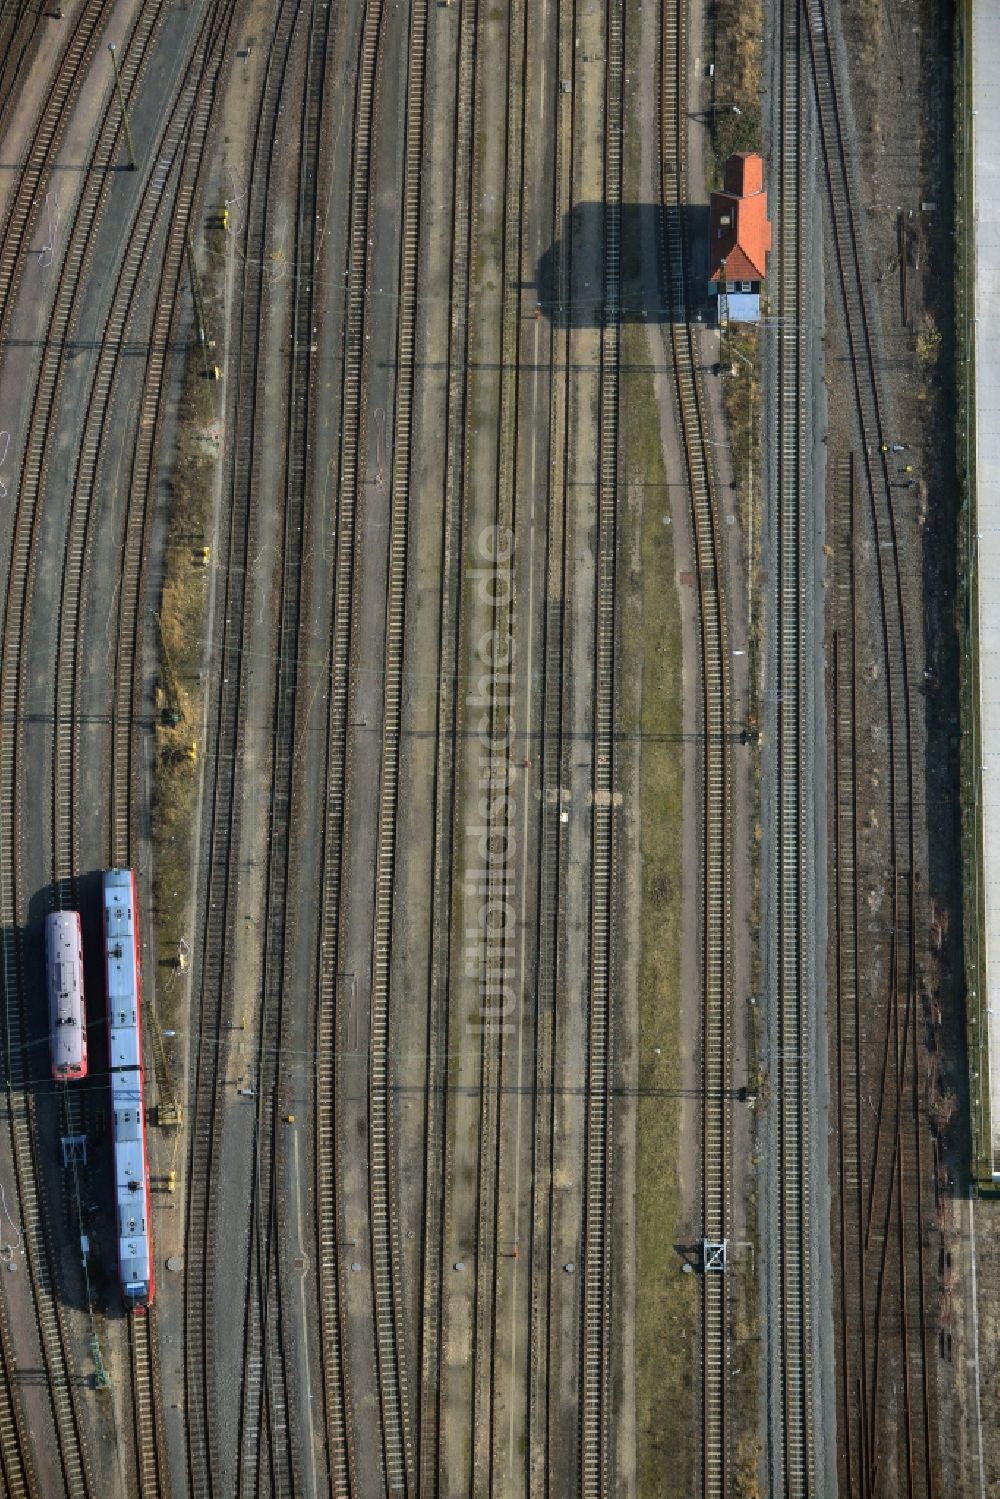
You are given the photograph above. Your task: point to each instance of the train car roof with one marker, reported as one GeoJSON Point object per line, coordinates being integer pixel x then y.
{"type": "Point", "coordinates": [124, 1047]}
{"type": "Point", "coordinates": [68, 921]}
{"type": "Point", "coordinates": [122, 979]}
{"type": "Point", "coordinates": [64, 976]}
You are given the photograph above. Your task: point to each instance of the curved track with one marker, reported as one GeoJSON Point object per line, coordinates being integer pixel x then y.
{"type": "Point", "coordinates": [277, 1419]}
{"type": "Point", "coordinates": [73, 67]}
{"type": "Point", "coordinates": [715, 689]}
{"type": "Point", "coordinates": [888, 1416]}
{"type": "Point", "coordinates": [19, 25]}
{"type": "Point", "coordinates": [13, 683]}
{"type": "Point", "coordinates": [223, 817]}
{"type": "Point", "coordinates": [182, 134]}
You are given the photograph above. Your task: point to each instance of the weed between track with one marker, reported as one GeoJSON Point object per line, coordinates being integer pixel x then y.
{"type": "Point", "coordinates": [737, 43]}
{"type": "Point", "coordinates": [667, 1302]}
{"type": "Point", "coordinates": [742, 410]}
{"type": "Point", "coordinates": [183, 600]}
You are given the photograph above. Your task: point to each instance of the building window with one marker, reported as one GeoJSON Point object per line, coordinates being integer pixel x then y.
{"type": "Point", "coordinates": [730, 286]}
{"type": "Point", "coordinates": [746, 286]}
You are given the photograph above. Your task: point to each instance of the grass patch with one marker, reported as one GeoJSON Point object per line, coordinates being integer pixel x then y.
{"type": "Point", "coordinates": [737, 43]}
{"type": "Point", "coordinates": [667, 1301]}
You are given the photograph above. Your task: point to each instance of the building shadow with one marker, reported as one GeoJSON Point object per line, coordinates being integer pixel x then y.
{"type": "Point", "coordinates": [573, 292]}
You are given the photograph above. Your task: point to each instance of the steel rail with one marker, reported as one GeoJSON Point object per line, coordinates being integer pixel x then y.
{"type": "Point", "coordinates": [333, 1014]}
{"type": "Point", "coordinates": [715, 769]}
{"type": "Point", "coordinates": [51, 1321]}
{"type": "Point", "coordinates": [797, 1454]}
{"type": "Point", "coordinates": [151, 1454]}
{"type": "Point", "coordinates": [27, 199]}
{"type": "Point", "coordinates": [145, 1379]}
{"type": "Point", "coordinates": [224, 819]}
{"type": "Point", "coordinates": [553, 775]}
{"type": "Point", "coordinates": [596, 1478]}
{"type": "Point", "coordinates": [393, 1400]}
{"type": "Point", "coordinates": [161, 196]}
{"type": "Point", "coordinates": [18, 1477]}
{"type": "Point", "coordinates": [903, 1126]}
{"type": "Point", "coordinates": [128, 682]}
{"type": "Point", "coordinates": [494, 980]}
{"type": "Point", "coordinates": [398, 1453]}
{"type": "Point", "coordinates": [14, 44]}
{"type": "Point", "coordinates": [333, 1010]}
{"type": "Point", "coordinates": [266, 1341]}
{"type": "Point", "coordinates": [182, 135]}
{"type": "Point", "coordinates": [449, 718]}
{"type": "Point", "coordinates": [853, 1374]}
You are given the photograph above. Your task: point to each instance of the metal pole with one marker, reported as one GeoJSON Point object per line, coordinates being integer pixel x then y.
{"type": "Point", "coordinates": [121, 100]}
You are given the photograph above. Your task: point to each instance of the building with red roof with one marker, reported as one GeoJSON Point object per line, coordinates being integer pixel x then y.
{"type": "Point", "coordinates": [740, 238]}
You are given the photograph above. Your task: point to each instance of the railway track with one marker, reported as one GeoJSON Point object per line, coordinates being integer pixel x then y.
{"type": "Point", "coordinates": [715, 769]}
{"type": "Point", "coordinates": [886, 1324]}
{"type": "Point", "coordinates": [853, 1370]}
{"type": "Point", "coordinates": [596, 1478]}
{"type": "Point", "coordinates": [447, 731]}
{"type": "Point", "coordinates": [397, 1436]}
{"type": "Point", "coordinates": [34, 1226]}
{"type": "Point", "coordinates": [795, 1458]}
{"type": "Point", "coordinates": [150, 1452]}
{"type": "Point", "coordinates": [224, 816]}
{"type": "Point", "coordinates": [19, 25]}
{"type": "Point", "coordinates": [17, 1467]}
{"type": "Point", "coordinates": [128, 685]}
{"type": "Point", "coordinates": [179, 130]}
{"type": "Point", "coordinates": [267, 1340]}
{"type": "Point", "coordinates": [167, 194]}
{"type": "Point", "coordinates": [498, 979]}
{"type": "Point", "coordinates": [27, 201]}
{"type": "Point", "coordinates": [13, 682]}
{"type": "Point", "coordinates": [554, 773]}
{"type": "Point", "coordinates": [392, 1415]}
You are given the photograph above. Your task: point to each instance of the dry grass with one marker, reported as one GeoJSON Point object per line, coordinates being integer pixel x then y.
{"type": "Point", "coordinates": [739, 31]}
{"type": "Point", "coordinates": [182, 607]}
{"type": "Point", "coordinates": [666, 1314]}
{"type": "Point", "coordinates": [928, 342]}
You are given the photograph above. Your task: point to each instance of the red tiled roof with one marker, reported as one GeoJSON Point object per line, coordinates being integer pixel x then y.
{"type": "Point", "coordinates": [740, 231]}
{"type": "Point", "coordinates": [744, 174]}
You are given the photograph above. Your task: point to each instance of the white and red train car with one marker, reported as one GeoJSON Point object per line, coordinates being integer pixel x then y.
{"type": "Point", "coordinates": [124, 990]}
{"type": "Point", "coordinates": [67, 1012]}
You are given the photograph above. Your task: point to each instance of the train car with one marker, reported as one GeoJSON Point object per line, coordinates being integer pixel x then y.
{"type": "Point", "coordinates": [124, 991]}
{"type": "Point", "coordinates": [67, 1012]}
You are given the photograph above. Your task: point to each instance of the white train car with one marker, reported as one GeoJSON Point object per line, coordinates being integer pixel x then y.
{"type": "Point", "coordinates": [124, 991]}
{"type": "Point", "coordinates": [67, 1010]}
